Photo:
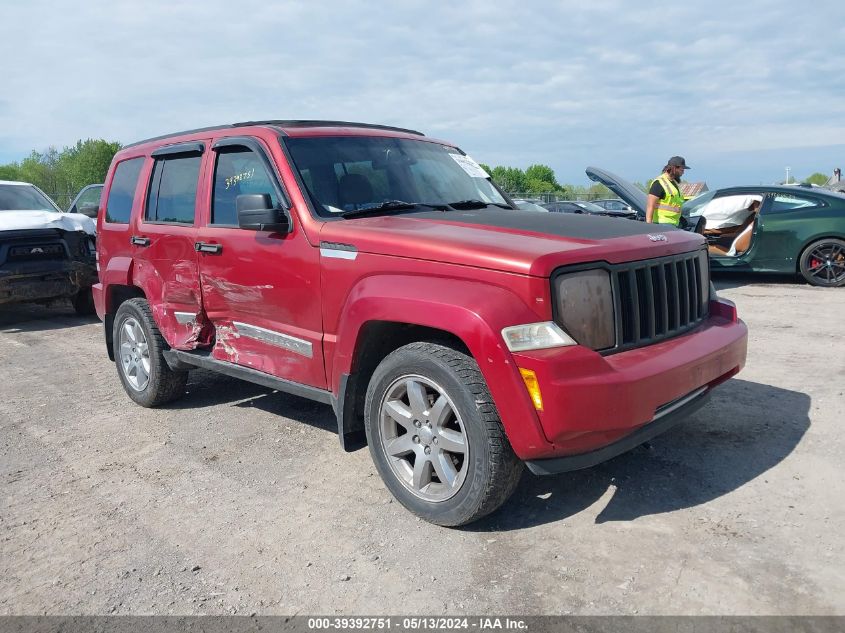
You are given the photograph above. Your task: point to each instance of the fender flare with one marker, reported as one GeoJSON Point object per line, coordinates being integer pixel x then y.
{"type": "Point", "coordinates": [474, 312]}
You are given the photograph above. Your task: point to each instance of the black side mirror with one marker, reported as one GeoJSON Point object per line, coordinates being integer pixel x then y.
{"type": "Point", "coordinates": [257, 213]}
{"type": "Point", "coordinates": [89, 209]}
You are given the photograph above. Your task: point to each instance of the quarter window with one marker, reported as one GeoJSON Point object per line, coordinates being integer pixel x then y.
{"type": "Point", "coordinates": [122, 191]}
{"type": "Point", "coordinates": [239, 171]}
{"type": "Point", "coordinates": [173, 190]}
{"type": "Point", "coordinates": [788, 202]}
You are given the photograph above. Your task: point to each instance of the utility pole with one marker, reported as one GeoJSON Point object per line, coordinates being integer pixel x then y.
{"type": "Point", "coordinates": [787, 175]}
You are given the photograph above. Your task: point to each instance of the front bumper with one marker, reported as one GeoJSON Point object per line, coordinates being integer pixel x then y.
{"type": "Point", "coordinates": [44, 280]}
{"type": "Point", "coordinates": [596, 407]}
{"type": "Point", "coordinates": [666, 417]}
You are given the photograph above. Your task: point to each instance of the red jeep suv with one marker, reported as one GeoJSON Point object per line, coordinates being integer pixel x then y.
{"type": "Point", "coordinates": [382, 272]}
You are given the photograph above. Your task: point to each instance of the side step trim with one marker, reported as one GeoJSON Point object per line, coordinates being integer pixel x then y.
{"type": "Point", "coordinates": [178, 358]}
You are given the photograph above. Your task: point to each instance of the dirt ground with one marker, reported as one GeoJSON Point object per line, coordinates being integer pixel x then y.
{"type": "Point", "coordinates": [237, 499]}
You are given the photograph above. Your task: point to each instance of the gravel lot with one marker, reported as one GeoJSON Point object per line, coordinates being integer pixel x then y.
{"type": "Point", "coordinates": [239, 500]}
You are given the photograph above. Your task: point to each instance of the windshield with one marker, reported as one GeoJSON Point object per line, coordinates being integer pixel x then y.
{"type": "Point", "coordinates": [344, 174]}
{"type": "Point", "coordinates": [24, 198]}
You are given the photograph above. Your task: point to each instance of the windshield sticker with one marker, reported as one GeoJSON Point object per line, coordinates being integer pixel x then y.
{"type": "Point", "coordinates": [470, 166]}
{"type": "Point", "coordinates": [231, 181]}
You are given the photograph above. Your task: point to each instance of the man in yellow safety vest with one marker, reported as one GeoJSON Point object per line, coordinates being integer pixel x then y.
{"type": "Point", "coordinates": [664, 194]}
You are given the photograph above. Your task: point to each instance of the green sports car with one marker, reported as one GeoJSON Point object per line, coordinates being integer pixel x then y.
{"type": "Point", "coordinates": [763, 229]}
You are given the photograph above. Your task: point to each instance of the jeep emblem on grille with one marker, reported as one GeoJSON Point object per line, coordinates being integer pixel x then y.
{"type": "Point", "coordinates": [657, 237]}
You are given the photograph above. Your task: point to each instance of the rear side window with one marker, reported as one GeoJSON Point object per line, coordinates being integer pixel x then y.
{"type": "Point", "coordinates": [787, 202]}
{"type": "Point", "coordinates": [238, 171]}
{"type": "Point", "coordinates": [173, 190]}
{"type": "Point", "coordinates": [122, 191]}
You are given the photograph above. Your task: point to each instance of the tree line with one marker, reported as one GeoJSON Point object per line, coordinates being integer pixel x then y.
{"type": "Point", "coordinates": [61, 174]}
{"type": "Point", "coordinates": [540, 180]}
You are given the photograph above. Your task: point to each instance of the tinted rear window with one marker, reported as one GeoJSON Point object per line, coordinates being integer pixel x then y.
{"type": "Point", "coordinates": [173, 190]}
{"type": "Point", "coordinates": [122, 191]}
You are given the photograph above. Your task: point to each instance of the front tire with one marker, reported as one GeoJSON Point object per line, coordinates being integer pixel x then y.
{"type": "Point", "coordinates": [823, 263]}
{"type": "Point", "coordinates": [435, 435]}
{"type": "Point", "coordinates": [138, 346]}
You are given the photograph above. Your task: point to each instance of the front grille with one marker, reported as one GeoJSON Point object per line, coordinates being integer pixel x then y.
{"type": "Point", "coordinates": [660, 298]}
{"type": "Point", "coordinates": [36, 252]}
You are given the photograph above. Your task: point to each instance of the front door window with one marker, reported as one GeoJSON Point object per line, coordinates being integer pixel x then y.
{"type": "Point", "coordinates": [239, 171]}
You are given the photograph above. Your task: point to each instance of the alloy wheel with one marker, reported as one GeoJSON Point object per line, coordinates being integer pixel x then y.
{"type": "Point", "coordinates": [423, 437]}
{"type": "Point", "coordinates": [134, 354]}
{"type": "Point", "coordinates": [826, 263]}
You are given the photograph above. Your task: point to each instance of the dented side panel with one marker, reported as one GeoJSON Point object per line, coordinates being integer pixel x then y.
{"type": "Point", "coordinates": [166, 271]}
{"type": "Point", "coordinates": [261, 292]}
{"type": "Point", "coordinates": [262, 295]}
{"type": "Point", "coordinates": [164, 266]}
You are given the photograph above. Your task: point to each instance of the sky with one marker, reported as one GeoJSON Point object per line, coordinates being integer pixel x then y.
{"type": "Point", "coordinates": [742, 90]}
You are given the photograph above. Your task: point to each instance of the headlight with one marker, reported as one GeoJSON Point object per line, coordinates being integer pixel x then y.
{"type": "Point", "coordinates": [584, 307]}
{"type": "Point", "coordinates": [521, 338]}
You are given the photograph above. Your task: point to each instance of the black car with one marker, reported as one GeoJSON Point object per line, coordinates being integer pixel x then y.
{"type": "Point", "coordinates": [584, 207]}
{"type": "Point", "coordinates": [615, 206]}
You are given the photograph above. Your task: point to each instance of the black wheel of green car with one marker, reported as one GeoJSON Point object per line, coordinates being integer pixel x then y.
{"type": "Point", "coordinates": [823, 263]}
{"type": "Point", "coordinates": [138, 347]}
{"type": "Point", "coordinates": [435, 435]}
{"type": "Point", "coordinates": [83, 302]}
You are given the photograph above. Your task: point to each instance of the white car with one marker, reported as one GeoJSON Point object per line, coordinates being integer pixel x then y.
{"type": "Point", "coordinates": [45, 253]}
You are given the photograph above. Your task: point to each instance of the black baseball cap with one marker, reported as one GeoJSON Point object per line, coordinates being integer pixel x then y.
{"type": "Point", "coordinates": [678, 161]}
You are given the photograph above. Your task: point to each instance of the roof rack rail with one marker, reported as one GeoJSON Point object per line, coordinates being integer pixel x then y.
{"type": "Point", "coordinates": [278, 123]}
{"type": "Point", "coordinates": [321, 123]}
{"type": "Point", "coordinates": [164, 136]}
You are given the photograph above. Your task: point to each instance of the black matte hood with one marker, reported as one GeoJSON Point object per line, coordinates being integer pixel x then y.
{"type": "Point", "coordinates": [568, 225]}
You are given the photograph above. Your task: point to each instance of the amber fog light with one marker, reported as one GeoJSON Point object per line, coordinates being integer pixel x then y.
{"type": "Point", "coordinates": [584, 307]}
{"type": "Point", "coordinates": [533, 387]}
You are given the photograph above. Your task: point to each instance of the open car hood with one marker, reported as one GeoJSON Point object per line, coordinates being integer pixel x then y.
{"type": "Point", "coordinates": [23, 220]}
{"type": "Point", "coordinates": [621, 187]}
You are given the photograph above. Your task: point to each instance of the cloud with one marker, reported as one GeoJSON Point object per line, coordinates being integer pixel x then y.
{"type": "Point", "coordinates": [511, 82]}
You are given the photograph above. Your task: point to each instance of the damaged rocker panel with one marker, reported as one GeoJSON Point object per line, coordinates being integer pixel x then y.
{"type": "Point", "coordinates": [180, 360]}
{"type": "Point", "coordinates": [285, 341]}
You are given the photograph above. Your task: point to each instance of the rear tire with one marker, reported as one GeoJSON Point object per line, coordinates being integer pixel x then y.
{"type": "Point", "coordinates": [823, 263]}
{"type": "Point", "coordinates": [138, 351]}
{"type": "Point", "coordinates": [435, 435]}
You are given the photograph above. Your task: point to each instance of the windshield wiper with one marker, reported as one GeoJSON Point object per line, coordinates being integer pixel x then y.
{"type": "Point", "coordinates": [392, 205]}
{"type": "Point", "coordinates": [475, 204]}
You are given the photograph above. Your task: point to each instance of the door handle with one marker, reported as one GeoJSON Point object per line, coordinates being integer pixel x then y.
{"type": "Point", "coordinates": [205, 247]}
{"type": "Point", "coordinates": [139, 241]}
